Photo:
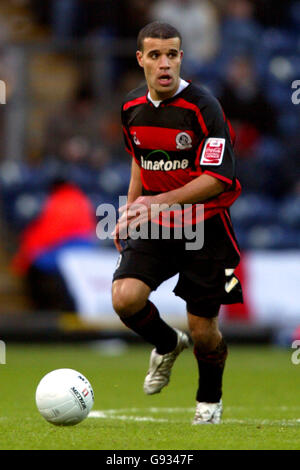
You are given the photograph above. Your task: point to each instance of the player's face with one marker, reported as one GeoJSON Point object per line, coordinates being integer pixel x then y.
{"type": "Point", "coordinates": [161, 60]}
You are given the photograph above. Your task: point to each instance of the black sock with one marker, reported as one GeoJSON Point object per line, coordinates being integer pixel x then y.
{"type": "Point", "coordinates": [211, 367]}
{"type": "Point", "coordinates": [148, 324]}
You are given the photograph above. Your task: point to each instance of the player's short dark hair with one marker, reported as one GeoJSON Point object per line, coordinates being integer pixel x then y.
{"type": "Point", "coordinates": [159, 30]}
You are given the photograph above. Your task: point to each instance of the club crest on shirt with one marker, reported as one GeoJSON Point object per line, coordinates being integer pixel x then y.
{"type": "Point", "coordinates": [183, 141]}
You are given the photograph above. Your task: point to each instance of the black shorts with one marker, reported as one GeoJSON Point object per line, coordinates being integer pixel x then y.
{"type": "Point", "coordinates": [203, 282]}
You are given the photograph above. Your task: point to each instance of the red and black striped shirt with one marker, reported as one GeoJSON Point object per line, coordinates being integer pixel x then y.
{"type": "Point", "coordinates": [186, 136]}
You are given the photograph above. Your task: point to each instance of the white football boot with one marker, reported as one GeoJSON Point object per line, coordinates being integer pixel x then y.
{"type": "Point", "coordinates": [160, 366]}
{"type": "Point", "coordinates": [208, 413]}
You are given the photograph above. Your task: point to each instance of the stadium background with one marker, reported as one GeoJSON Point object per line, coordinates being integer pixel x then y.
{"type": "Point", "coordinates": [67, 65]}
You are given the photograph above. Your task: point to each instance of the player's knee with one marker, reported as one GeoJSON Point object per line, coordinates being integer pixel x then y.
{"type": "Point", "coordinates": [124, 303]}
{"type": "Point", "coordinates": [205, 334]}
{"type": "Point", "coordinates": [205, 343]}
{"type": "Point", "coordinates": [126, 299]}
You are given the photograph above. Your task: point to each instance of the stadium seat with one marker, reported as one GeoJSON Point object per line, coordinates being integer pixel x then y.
{"type": "Point", "coordinates": [269, 151]}
{"type": "Point", "coordinates": [114, 179]}
{"type": "Point", "coordinates": [13, 174]}
{"type": "Point", "coordinates": [289, 212]}
{"type": "Point", "coordinates": [278, 41]}
{"type": "Point", "coordinates": [241, 235]}
{"type": "Point", "coordinates": [240, 37]}
{"type": "Point", "coordinates": [273, 236]}
{"type": "Point", "coordinates": [294, 16]}
{"type": "Point", "coordinates": [20, 207]}
{"type": "Point", "coordinates": [289, 123]}
{"type": "Point", "coordinates": [278, 93]}
{"type": "Point", "coordinates": [252, 209]}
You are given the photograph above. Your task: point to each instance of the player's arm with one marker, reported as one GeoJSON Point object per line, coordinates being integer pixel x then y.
{"type": "Point", "coordinates": [134, 192]}
{"type": "Point", "coordinates": [144, 208]}
{"type": "Point", "coordinates": [201, 189]}
{"type": "Point", "coordinates": [135, 184]}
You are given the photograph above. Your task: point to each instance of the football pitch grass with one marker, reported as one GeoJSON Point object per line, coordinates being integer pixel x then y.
{"type": "Point", "coordinates": [261, 401]}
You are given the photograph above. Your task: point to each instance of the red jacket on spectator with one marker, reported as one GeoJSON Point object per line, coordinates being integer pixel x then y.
{"type": "Point", "coordinates": [67, 215]}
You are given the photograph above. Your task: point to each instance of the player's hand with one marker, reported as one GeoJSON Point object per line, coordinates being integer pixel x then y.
{"type": "Point", "coordinates": [122, 229]}
{"type": "Point", "coordinates": [140, 211]}
{"type": "Point", "coordinates": [135, 214]}
{"type": "Point", "coordinates": [116, 235]}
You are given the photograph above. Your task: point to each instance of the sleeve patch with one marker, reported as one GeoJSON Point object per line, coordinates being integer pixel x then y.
{"type": "Point", "coordinates": [213, 151]}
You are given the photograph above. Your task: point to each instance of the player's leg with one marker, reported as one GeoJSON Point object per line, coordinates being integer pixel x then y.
{"type": "Point", "coordinates": [137, 312]}
{"type": "Point", "coordinates": [210, 351]}
{"type": "Point", "coordinates": [142, 267]}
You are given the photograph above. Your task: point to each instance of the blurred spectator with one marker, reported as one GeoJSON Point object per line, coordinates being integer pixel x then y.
{"type": "Point", "coordinates": [198, 23]}
{"type": "Point", "coordinates": [272, 12]}
{"type": "Point", "coordinates": [74, 130]}
{"type": "Point", "coordinates": [240, 30]}
{"type": "Point", "coordinates": [132, 16]}
{"type": "Point", "coordinates": [67, 221]}
{"type": "Point", "coordinates": [254, 120]}
{"type": "Point", "coordinates": [130, 80]}
{"type": "Point", "coordinates": [4, 31]}
{"type": "Point", "coordinates": [245, 104]}
{"type": "Point", "coordinates": [290, 171]}
{"type": "Point", "coordinates": [69, 18]}
{"type": "Point", "coordinates": [77, 18]}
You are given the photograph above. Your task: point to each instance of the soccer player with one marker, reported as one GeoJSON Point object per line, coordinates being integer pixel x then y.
{"type": "Point", "coordinates": [181, 144]}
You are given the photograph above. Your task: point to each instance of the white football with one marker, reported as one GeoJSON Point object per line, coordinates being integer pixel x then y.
{"type": "Point", "coordinates": [64, 397]}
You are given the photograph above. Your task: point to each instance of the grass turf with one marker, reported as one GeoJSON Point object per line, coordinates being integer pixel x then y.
{"type": "Point", "coordinates": [261, 402]}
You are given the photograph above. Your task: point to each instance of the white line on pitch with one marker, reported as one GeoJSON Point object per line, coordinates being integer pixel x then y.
{"type": "Point", "coordinates": [104, 415]}
{"type": "Point", "coordinates": [116, 414]}
{"type": "Point", "coordinates": [192, 409]}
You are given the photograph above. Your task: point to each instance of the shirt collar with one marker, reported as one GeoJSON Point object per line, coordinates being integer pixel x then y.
{"type": "Point", "coordinates": [182, 85]}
